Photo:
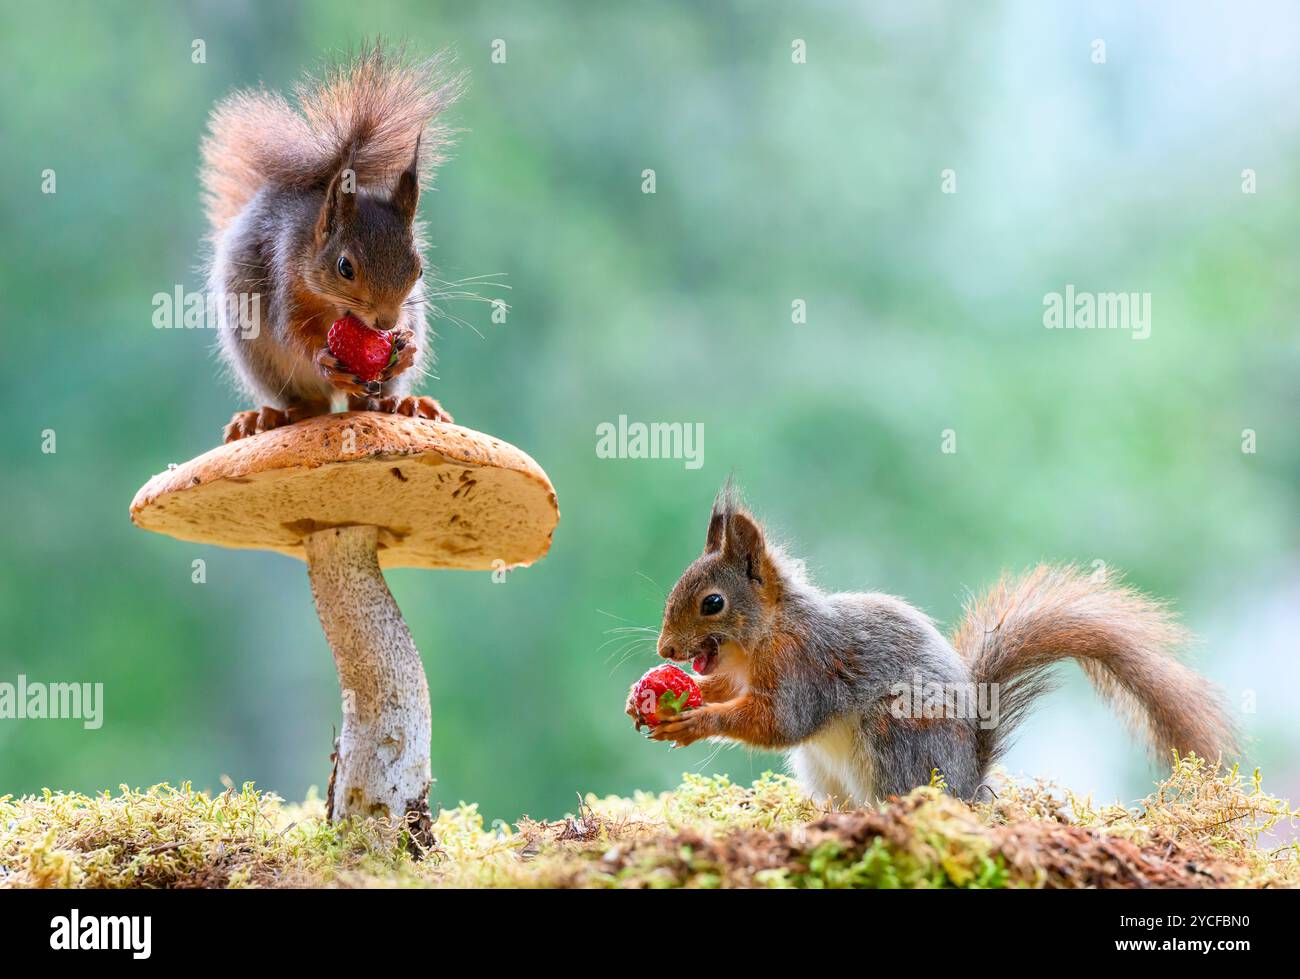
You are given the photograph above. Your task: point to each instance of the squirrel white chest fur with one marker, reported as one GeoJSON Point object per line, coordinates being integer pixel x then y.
{"type": "Point", "coordinates": [836, 764]}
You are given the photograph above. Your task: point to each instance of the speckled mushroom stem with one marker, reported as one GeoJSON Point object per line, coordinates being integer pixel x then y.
{"type": "Point", "coordinates": [381, 764]}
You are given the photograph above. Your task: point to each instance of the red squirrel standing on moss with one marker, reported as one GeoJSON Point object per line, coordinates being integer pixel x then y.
{"type": "Point", "coordinates": [313, 211]}
{"type": "Point", "coordinates": [784, 665]}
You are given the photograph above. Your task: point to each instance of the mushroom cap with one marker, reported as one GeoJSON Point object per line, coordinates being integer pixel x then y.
{"type": "Point", "coordinates": [443, 496]}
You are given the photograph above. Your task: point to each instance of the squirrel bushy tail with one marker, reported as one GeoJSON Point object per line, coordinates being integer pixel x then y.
{"type": "Point", "coordinates": [366, 113]}
{"type": "Point", "coordinates": [1125, 642]}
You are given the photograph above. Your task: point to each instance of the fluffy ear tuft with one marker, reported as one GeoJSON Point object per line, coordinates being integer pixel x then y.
{"type": "Point", "coordinates": [713, 540]}
{"type": "Point", "coordinates": [406, 197]}
{"type": "Point", "coordinates": [340, 204]}
{"type": "Point", "coordinates": [745, 543]}
{"type": "Point", "coordinates": [737, 536]}
{"type": "Point", "coordinates": [724, 504]}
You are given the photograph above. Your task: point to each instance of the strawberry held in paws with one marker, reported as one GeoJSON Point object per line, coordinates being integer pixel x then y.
{"type": "Point", "coordinates": [365, 352]}
{"type": "Point", "coordinates": [663, 693]}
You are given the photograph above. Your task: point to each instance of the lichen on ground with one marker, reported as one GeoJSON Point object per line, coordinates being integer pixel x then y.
{"type": "Point", "coordinates": [1201, 827]}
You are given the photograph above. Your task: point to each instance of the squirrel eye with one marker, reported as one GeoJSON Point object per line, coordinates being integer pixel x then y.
{"type": "Point", "coordinates": [345, 267]}
{"type": "Point", "coordinates": [712, 604]}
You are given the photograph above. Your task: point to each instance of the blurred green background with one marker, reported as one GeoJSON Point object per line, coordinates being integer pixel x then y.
{"type": "Point", "coordinates": [776, 181]}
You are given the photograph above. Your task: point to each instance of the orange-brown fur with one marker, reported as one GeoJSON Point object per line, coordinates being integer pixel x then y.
{"type": "Point", "coordinates": [294, 192]}
{"type": "Point", "coordinates": [1124, 641]}
{"type": "Point", "coordinates": [794, 667]}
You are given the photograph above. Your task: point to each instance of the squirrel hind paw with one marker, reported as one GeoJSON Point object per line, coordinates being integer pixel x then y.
{"type": "Point", "coordinates": [412, 406]}
{"type": "Point", "coordinates": [241, 425]}
{"type": "Point", "coordinates": [424, 407]}
{"type": "Point", "coordinates": [257, 420]}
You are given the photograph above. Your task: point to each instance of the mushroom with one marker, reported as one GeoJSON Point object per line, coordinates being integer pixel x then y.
{"type": "Point", "coordinates": [352, 493]}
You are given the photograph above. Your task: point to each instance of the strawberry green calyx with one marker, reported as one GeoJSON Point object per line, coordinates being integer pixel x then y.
{"type": "Point", "coordinates": [668, 704]}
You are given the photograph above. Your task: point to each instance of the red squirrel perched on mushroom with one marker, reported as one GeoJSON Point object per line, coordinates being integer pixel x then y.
{"type": "Point", "coordinates": [313, 214]}
{"type": "Point", "coordinates": [871, 699]}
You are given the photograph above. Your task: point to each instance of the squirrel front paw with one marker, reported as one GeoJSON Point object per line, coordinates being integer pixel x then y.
{"type": "Point", "coordinates": [686, 728]}
{"type": "Point", "coordinates": [404, 346]}
{"type": "Point", "coordinates": [342, 377]}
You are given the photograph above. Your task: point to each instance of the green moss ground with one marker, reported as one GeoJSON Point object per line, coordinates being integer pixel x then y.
{"type": "Point", "coordinates": [1200, 827]}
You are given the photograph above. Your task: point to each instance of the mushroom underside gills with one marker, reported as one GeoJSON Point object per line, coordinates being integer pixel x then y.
{"type": "Point", "coordinates": [381, 765]}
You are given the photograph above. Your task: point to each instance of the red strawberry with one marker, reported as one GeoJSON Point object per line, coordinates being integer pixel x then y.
{"type": "Point", "coordinates": [363, 351]}
{"type": "Point", "coordinates": [665, 692]}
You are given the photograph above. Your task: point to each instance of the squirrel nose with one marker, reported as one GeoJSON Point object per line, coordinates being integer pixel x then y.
{"type": "Point", "coordinates": [666, 649]}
